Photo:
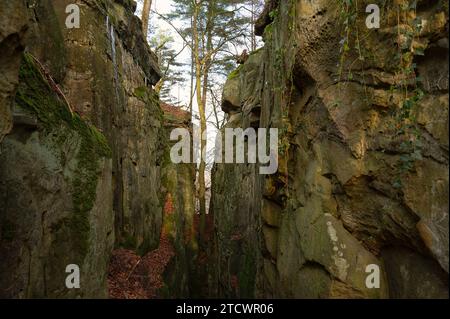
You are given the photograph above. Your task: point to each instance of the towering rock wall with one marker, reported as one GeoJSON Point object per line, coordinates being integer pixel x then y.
{"type": "Point", "coordinates": [178, 181]}
{"type": "Point", "coordinates": [363, 156]}
{"type": "Point", "coordinates": [108, 78]}
{"type": "Point", "coordinates": [12, 32]}
{"type": "Point", "coordinates": [74, 185]}
{"type": "Point", "coordinates": [56, 196]}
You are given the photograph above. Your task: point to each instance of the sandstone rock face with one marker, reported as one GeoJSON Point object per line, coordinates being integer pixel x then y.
{"type": "Point", "coordinates": [107, 78]}
{"type": "Point", "coordinates": [56, 197]}
{"type": "Point", "coordinates": [72, 187]}
{"type": "Point", "coordinates": [363, 157]}
{"type": "Point", "coordinates": [178, 181]}
{"type": "Point", "coordinates": [237, 224]}
{"type": "Point", "coordinates": [12, 32]}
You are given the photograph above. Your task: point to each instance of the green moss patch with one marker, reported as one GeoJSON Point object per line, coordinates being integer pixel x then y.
{"type": "Point", "coordinates": [150, 98]}
{"type": "Point", "coordinates": [234, 74]}
{"type": "Point", "coordinates": [141, 93]}
{"type": "Point", "coordinates": [256, 51]}
{"type": "Point", "coordinates": [36, 97]}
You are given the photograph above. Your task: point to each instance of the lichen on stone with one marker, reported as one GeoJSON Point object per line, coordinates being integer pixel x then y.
{"type": "Point", "coordinates": [36, 97]}
{"type": "Point", "coordinates": [235, 73]}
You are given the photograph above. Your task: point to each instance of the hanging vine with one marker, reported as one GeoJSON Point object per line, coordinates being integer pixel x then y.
{"type": "Point", "coordinates": [354, 45]}
{"type": "Point", "coordinates": [409, 86]}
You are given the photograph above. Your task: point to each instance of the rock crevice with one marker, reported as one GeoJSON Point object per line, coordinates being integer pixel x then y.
{"type": "Point", "coordinates": [74, 186]}
{"type": "Point", "coordinates": [363, 169]}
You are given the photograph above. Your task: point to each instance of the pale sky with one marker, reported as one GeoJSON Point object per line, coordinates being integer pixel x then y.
{"type": "Point", "coordinates": [180, 91]}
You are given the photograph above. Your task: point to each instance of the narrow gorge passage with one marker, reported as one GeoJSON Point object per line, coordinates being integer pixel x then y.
{"type": "Point", "coordinates": [93, 205]}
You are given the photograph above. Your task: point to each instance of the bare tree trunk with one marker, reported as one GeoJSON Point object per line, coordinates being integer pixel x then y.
{"type": "Point", "coordinates": [253, 35]}
{"type": "Point", "coordinates": [146, 16]}
{"type": "Point", "coordinates": [206, 67]}
{"type": "Point", "coordinates": [191, 96]}
{"type": "Point", "coordinates": [201, 109]}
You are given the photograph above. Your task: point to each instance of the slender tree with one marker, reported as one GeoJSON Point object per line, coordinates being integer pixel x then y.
{"type": "Point", "coordinates": [214, 30]}
{"type": "Point", "coordinates": [162, 44]}
{"type": "Point", "coordinates": [146, 16]}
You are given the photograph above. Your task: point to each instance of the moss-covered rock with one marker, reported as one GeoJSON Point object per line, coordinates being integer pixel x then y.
{"type": "Point", "coordinates": [13, 28]}
{"type": "Point", "coordinates": [178, 182]}
{"type": "Point", "coordinates": [98, 166]}
{"type": "Point", "coordinates": [68, 195]}
{"type": "Point", "coordinates": [362, 164]}
{"type": "Point", "coordinates": [36, 98]}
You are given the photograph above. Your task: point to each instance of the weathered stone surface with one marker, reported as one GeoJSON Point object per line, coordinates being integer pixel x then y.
{"type": "Point", "coordinates": [56, 198]}
{"type": "Point", "coordinates": [413, 276]}
{"type": "Point", "coordinates": [363, 168]}
{"type": "Point", "coordinates": [266, 16]}
{"type": "Point", "coordinates": [236, 217]}
{"type": "Point", "coordinates": [232, 101]}
{"type": "Point", "coordinates": [107, 78]}
{"type": "Point", "coordinates": [74, 201]}
{"type": "Point", "coordinates": [178, 181]}
{"type": "Point", "coordinates": [271, 213]}
{"type": "Point", "coordinates": [12, 31]}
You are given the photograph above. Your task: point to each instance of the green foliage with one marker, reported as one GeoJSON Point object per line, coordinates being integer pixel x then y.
{"type": "Point", "coordinates": [222, 25]}
{"type": "Point", "coordinates": [408, 85]}
{"type": "Point", "coordinates": [268, 30]}
{"type": "Point", "coordinates": [351, 38]}
{"type": "Point", "coordinates": [162, 44]}
{"type": "Point", "coordinates": [274, 14]}
{"type": "Point", "coordinates": [412, 93]}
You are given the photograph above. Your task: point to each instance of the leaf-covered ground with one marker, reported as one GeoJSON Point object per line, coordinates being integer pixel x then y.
{"type": "Point", "coordinates": [134, 277]}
